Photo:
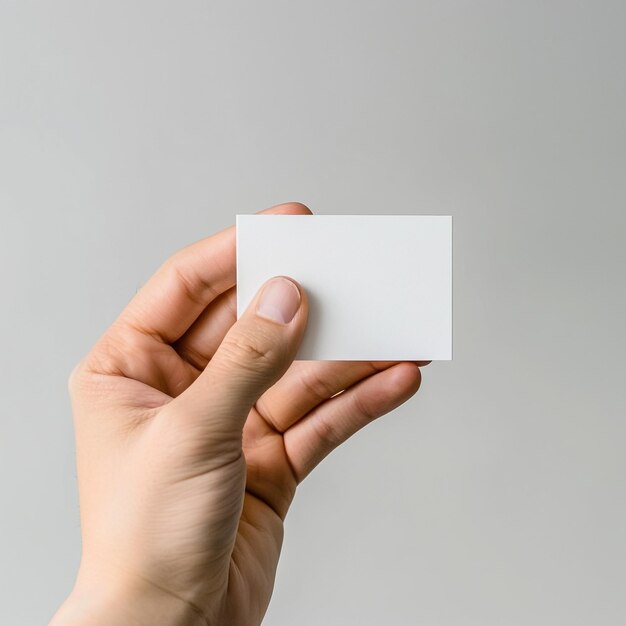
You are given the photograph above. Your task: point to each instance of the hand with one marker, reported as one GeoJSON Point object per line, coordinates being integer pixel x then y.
{"type": "Point", "coordinates": [193, 431]}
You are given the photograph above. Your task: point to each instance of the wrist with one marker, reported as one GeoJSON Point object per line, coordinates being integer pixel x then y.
{"type": "Point", "coordinates": [125, 602]}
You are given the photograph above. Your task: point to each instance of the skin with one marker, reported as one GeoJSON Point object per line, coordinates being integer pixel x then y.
{"type": "Point", "coordinates": [193, 431]}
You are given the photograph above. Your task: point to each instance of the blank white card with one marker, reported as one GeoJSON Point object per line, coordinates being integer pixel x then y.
{"type": "Point", "coordinates": [379, 286]}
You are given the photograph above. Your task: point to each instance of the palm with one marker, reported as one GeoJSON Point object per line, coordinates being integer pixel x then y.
{"type": "Point", "coordinates": [290, 429]}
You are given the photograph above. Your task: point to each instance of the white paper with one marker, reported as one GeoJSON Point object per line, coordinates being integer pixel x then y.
{"type": "Point", "coordinates": [379, 286]}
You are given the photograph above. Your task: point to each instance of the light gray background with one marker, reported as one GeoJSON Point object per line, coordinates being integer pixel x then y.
{"type": "Point", "coordinates": [128, 129]}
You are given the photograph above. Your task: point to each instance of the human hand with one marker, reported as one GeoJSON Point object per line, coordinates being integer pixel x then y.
{"type": "Point", "coordinates": [193, 431]}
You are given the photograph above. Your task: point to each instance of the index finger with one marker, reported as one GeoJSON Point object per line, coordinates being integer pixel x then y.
{"type": "Point", "coordinates": [173, 298]}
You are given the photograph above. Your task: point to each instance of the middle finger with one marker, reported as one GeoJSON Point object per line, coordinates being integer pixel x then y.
{"type": "Point", "coordinates": [309, 383]}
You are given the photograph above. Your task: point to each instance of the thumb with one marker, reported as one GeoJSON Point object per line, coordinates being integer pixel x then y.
{"type": "Point", "coordinates": [254, 354]}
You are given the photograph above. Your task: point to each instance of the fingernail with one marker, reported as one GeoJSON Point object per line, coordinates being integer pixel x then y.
{"type": "Point", "coordinates": [279, 301]}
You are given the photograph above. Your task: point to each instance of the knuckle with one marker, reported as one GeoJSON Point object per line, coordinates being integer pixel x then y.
{"type": "Point", "coordinates": [326, 431]}
{"type": "Point", "coordinates": [118, 351]}
{"type": "Point", "coordinates": [319, 387]}
{"type": "Point", "coordinates": [193, 284]}
{"type": "Point", "coordinates": [363, 409]}
{"type": "Point", "coordinates": [247, 349]}
{"type": "Point", "coordinates": [109, 356]}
